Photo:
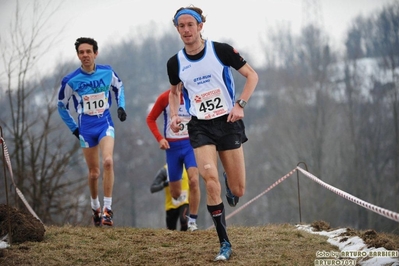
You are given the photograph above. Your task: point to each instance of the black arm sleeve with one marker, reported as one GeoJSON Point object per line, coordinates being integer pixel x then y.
{"type": "Point", "coordinates": [173, 70]}
{"type": "Point", "coordinates": [159, 182]}
{"type": "Point", "coordinates": [228, 55]}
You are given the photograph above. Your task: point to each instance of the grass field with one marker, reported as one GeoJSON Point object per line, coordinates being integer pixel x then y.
{"type": "Point", "coordinates": [280, 244]}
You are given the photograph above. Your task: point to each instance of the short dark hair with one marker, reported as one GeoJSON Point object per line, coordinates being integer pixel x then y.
{"type": "Point", "coordinates": [90, 41]}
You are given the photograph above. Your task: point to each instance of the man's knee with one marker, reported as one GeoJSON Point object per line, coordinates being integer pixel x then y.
{"type": "Point", "coordinates": [175, 189]}
{"type": "Point", "coordinates": [108, 163]}
{"type": "Point", "coordinates": [193, 182]}
{"type": "Point", "coordinates": [94, 173]}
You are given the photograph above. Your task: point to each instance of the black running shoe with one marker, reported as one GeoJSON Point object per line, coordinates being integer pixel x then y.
{"type": "Point", "coordinates": [97, 218]}
{"type": "Point", "coordinates": [231, 199]}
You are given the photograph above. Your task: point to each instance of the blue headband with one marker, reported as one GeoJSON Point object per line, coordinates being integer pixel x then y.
{"type": "Point", "coordinates": [187, 12]}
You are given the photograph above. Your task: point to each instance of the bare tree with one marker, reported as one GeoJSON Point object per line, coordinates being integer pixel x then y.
{"type": "Point", "coordinates": [385, 47]}
{"type": "Point", "coordinates": [371, 111]}
{"type": "Point", "coordinates": [31, 131]}
{"type": "Point", "coordinates": [387, 39]}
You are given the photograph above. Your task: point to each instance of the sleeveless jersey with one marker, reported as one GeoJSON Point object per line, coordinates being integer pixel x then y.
{"type": "Point", "coordinates": [208, 84]}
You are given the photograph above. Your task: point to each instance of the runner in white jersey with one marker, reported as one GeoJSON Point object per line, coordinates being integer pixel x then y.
{"type": "Point", "coordinates": [90, 88]}
{"type": "Point", "coordinates": [216, 127]}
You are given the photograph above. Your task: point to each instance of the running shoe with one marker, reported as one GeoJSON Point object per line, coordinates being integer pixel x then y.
{"type": "Point", "coordinates": [97, 219]}
{"type": "Point", "coordinates": [231, 199]}
{"type": "Point", "coordinates": [225, 251]}
{"type": "Point", "coordinates": [107, 217]}
{"type": "Point", "coordinates": [192, 226]}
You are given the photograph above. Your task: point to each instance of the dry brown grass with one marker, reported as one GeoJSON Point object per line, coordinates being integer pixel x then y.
{"type": "Point", "coordinates": [69, 245]}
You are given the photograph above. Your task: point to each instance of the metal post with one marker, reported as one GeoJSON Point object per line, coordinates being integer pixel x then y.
{"type": "Point", "coordinates": [299, 194]}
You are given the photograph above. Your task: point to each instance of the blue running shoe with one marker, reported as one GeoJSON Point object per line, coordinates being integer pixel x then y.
{"type": "Point", "coordinates": [231, 199]}
{"type": "Point", "coordinates": [225, 251]}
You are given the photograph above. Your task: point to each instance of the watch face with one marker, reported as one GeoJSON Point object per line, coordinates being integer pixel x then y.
{"type": "Point", "coordinates": [241, 103]}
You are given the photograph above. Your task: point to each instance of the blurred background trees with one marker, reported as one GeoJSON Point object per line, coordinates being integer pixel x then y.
{"type": "Point", "coordinates": [31, 127]}
{"type": "Point", "coordinates": [337, 111]}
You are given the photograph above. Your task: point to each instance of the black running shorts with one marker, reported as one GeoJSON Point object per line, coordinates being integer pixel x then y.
{"type": "Point", "coordinates": [224, 135]}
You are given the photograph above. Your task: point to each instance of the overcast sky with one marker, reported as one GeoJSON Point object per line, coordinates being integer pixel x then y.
{"type": "Point", "coordinates": [245, 22]}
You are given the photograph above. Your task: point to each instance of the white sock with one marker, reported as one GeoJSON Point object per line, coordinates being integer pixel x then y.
{"type": "Point", "coordinates": [95, 203]}
{"type": "Point", "coordinates": [107, 202]}
{"type": "Point", "coordinates": [192, 220]}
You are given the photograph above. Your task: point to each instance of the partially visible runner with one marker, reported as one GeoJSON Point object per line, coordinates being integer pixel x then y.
{"type": "Point", "coordinates": [179, 154]}
{"type": "Point", "coordinates": [90, 88]}
{"type": "Point", "coordinates": [216, 127]}
{"type": "Point", "coordinates": [174, 212]}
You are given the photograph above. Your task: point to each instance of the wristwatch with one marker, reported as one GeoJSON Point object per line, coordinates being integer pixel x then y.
{"type": "Point", "coordinates": [241, 103]}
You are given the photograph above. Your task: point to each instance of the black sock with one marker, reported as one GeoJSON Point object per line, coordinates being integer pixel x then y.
{"type": "Point", "coordinates": [219, 220]}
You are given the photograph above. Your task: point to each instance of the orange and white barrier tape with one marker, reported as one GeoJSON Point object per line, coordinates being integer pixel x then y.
{"type": "Point", "coordinates": [384, 212]}
{"type": "Point", "coordinates": [260, 195]}
{"type": "Point", "coordinates": [21, 196]}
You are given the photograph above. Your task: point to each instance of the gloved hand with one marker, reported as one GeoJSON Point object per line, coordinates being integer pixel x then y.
{"type": "Point", "coordinates": [76, 132]}
{"type": "Point", "coordinates": [121, 114]}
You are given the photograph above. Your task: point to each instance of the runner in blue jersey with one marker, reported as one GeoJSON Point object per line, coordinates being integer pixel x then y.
{"type": "Point", "coordinates": [216, 127]}
{"type": "Point", "coordinates": [90, 88]}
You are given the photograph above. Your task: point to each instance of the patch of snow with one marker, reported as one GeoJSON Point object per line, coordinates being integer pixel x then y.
{"type": "Point", "coordinates": [352, 248]}
{"type": "Point", "coordinates": [3, 242]}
